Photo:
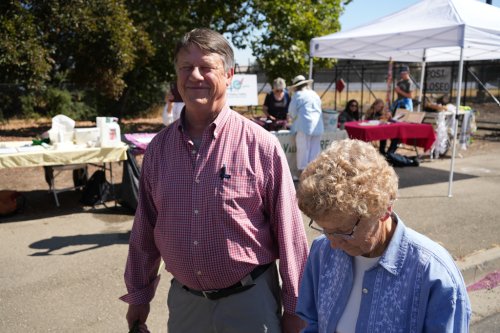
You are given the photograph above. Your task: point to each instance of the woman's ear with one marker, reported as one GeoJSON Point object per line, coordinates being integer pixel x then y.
{"type": "Point", "coordinates": [387, 214]}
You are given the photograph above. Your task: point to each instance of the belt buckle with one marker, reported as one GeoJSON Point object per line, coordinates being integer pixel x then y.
{"type": "Point", "coordinates": [208, 293]}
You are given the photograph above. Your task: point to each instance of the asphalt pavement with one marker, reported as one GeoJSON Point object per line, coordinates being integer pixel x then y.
{"type": "Point", "coordinates": [61, 270]}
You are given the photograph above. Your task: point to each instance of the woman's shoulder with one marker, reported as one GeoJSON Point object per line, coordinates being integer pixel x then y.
{"type": "Point", "coordinates": [428, 251]}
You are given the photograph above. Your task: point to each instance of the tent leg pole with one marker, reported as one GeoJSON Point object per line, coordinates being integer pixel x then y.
{"type": "Point", "coordinates": [455, 125]}
{"type": "Point", "coordinates": [422, 75]}
{"type": "Point", "coordinates": [310, 67]}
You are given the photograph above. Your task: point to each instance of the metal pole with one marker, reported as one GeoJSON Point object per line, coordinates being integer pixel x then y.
{"type": "Point", "coordinates": [465, 83]}
{"type": "Point", "coordinates": [483, 86]}
{"type": "Point", "coordinates": [336, 78]}
{"type": "Point", "coordinates": [422, 75]}
{"type": "Point", "coordinates": [311, 70]}
{"type": "Point", "coordinates": [455, 125]}
{"type": "Point", "coordinates": [362, 89]}
{"type": "Point", "coordinates": [361, 77]}
{"type": "Point", "coordinates": [310, 67]}
{"type": "Point", "coordinates": [348, 80]}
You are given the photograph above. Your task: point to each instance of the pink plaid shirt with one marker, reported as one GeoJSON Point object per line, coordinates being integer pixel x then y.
{"type": "Point", "coordinates": [211, 230]}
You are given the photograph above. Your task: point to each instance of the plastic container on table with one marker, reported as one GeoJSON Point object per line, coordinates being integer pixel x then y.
{"type": "Point", "coordinates": [330, 120]}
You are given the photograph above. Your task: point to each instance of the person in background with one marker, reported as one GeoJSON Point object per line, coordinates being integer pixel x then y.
{"type": "Point", "coordinates": [276, 105]}
{"type": "Point", "coordinates": [368, 271]}
{"type": "Point", "coordinates": [350, 113]}
{"type": "Point", "coordinates": [377, 112]}
{"type": "Point", "coordinates": [216, 204]}
{"type": "Point", "coordinates": [432, 105]}
{"type": "Point", "coordinates": [404, 90]}
{"type": "Point", "coordinates": [173, 105]}
{"type": "Point", "coordinates": [305, 111]}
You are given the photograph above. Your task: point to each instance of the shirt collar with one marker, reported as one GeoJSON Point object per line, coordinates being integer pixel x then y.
{"type": "Point", "coordinates": [215, 126]}
{"type": "Point", "coordinates": [221, 120]}
{"type": "Point", "coordinates": [395, 254]}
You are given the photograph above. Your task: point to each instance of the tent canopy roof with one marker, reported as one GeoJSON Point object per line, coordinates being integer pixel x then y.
{"type": "Point", "coordinates": [440, 27]}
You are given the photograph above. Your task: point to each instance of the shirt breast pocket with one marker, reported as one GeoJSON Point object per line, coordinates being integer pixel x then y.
{"type": "Point", "coordinates": [239, 194]}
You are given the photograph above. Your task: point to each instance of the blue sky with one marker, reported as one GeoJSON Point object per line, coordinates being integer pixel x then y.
{"type": "Point", "coordinates": [358, 12]}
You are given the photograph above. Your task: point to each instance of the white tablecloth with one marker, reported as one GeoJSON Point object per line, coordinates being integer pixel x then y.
{"type": "Point", "coordinates": [14, 155]}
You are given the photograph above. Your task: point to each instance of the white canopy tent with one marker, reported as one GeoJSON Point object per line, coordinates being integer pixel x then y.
{"type": "Point", "coordinates": [429, 31]}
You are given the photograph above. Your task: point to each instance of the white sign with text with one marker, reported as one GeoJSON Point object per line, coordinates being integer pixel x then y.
{"type": "Point", "coordinates": [243, 90]}
{"type": "Point", "coordinates": [438, 80]}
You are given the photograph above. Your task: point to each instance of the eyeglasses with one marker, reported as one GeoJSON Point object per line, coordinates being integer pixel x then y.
{"type": "Point", "coordinates": [349, 235]}
{"type": "Point", "coordinates": [355, 105]}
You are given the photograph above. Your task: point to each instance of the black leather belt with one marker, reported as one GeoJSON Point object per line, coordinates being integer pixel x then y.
{"type": "Point", "coordinates": [246, 283]}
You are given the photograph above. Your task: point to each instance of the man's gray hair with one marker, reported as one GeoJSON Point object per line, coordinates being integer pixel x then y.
{"type": "Point", "coordinates": [208, 41]}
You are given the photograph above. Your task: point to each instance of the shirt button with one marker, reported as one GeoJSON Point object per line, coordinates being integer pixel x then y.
{"type": "Point", "coordinates": [197, 181]}
{"type": "Point", "coordinates": [195, 242]}
{"type": "Point", "coordinates": [365, 291]}
{"type": "Point", "coordinates": [198, 273]}
{"type": "Point", "coordinates": [196, 211]}
{"type": "Point", "coordinates": [193, 151]}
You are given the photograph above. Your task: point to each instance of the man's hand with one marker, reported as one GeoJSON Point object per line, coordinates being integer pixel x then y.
{"type": "Point", "coordinates": [138, 313]}
{"type": "Point", "coordinates": [291, 323]}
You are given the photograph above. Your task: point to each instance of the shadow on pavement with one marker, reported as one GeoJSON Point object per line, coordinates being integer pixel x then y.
{"type": "Point", "coordinates": [40, 204]}
{"type": "Point", "coordinates": [84, 242]}
{"type": "Point", "coordinates": [418, 176]}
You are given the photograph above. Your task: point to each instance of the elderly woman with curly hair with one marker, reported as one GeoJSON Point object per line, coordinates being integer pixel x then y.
{"type": "Point", "coordinates": [368, 272]}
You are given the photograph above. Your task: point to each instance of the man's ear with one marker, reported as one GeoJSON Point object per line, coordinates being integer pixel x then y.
{"type": "Point", "coordinates": [229, 76]}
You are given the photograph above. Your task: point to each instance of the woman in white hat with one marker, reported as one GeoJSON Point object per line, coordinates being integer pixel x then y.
{"type": "Point", "coordinates": [305, 111]}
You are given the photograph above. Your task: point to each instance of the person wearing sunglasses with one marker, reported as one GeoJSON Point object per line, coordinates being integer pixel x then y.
{"type": "Point", "coordinates": [350, 113]}
{"type": "Point", "coordinates": [276, 106]}
{"type": "Point", "coordinates": [367, 271]}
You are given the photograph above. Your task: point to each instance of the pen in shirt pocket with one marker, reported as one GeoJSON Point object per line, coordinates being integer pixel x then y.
{"type": "Point", "coordinates": [223, 172]}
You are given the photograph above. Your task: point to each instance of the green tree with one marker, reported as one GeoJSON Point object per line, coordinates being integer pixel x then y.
{"type": "Point", "coordinates": [23, 58]}
{"type": "Point", "coordinates": [165, 22]}
{"type": "Point", "coordinates": [94, 41]}
{"type": "Point", "coordinates": [116, 55]}
{"type": "Point", "coordinates": [282, 48]}
{"type": "Point", "coordinates": [91, 43]}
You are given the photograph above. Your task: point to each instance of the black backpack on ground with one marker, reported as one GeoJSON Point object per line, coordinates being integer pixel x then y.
{"type": "Point", "coordinates": [97, 190]}
{"type": "Point", "coordinates": [398, 160]}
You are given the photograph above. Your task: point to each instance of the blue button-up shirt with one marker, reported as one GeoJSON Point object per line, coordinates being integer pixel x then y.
{"type": "Point", "coordinates": [415, 287]}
